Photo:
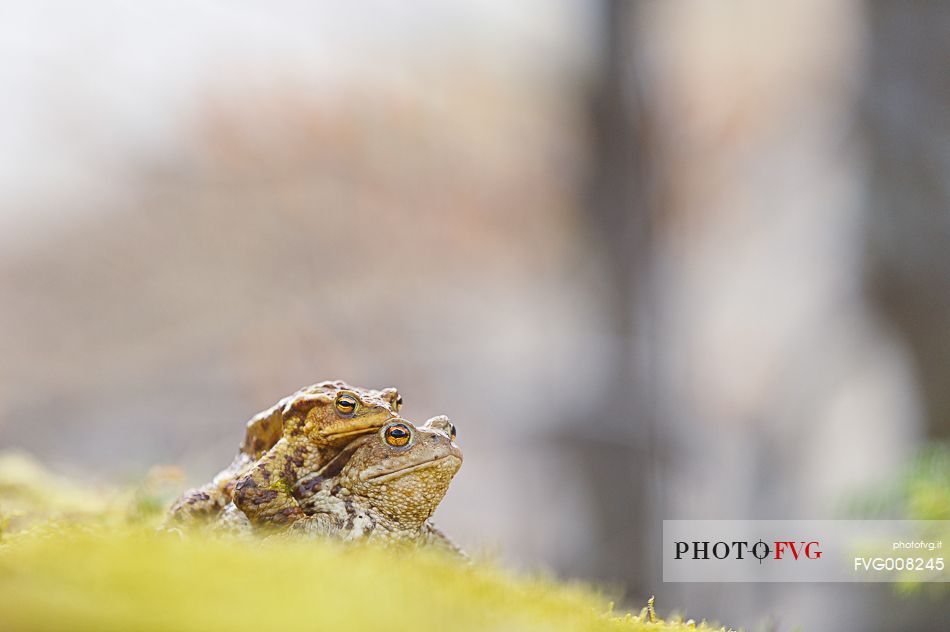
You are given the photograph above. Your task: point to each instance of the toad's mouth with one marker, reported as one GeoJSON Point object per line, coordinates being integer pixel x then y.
{"type": "Point", "coordinates": [343, 434]}
{"type": "Point", "coordinates": [391, 474]}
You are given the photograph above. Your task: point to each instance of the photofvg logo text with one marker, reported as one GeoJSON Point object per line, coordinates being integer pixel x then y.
{"type": "Point", "coordinates": [741, 549]}
{"type": "Point", "coordinates": [804, 550]}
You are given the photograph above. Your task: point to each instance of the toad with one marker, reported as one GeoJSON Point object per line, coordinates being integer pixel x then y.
{"type": "Point", "coordinates": [384, 486]}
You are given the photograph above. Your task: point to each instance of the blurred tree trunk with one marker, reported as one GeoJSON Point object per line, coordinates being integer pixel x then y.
{"type": "Point", "coordinates": [908, 124]}
{"type": "Point", "coordinates": [614, 446]}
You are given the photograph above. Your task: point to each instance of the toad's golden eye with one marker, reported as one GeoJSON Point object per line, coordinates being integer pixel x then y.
{"type": "Point", "coordinates": [397, 435]}
{"type": "Point", "coordinates": [346, 404]}
{"type": "Point", "coordinates": [452, 432]}
{"type": "Point", "coordinates": [397, 403]}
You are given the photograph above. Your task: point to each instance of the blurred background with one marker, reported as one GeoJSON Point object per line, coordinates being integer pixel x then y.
{"type": "Point", "coordinates": [655, 259]}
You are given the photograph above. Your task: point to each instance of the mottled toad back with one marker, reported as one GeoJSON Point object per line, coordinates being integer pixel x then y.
{"type": "Point", "coordinates": [294, 437]}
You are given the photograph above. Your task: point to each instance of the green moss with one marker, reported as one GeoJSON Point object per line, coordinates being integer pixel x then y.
{"type": "Point", "coordinates": [282, 486]}
{"type": "Point", "coordinates": [57, 578]}
{"type": "Point", "coordinates": [927, 484]}
{"type": "Point", "coordinates": [107, 568]}
{"type": "Point", "coordinates": [921, 491]}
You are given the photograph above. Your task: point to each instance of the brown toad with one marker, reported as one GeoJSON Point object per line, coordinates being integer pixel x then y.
{"type": "Point", "coordinates": [294, 437]}
{"type": "Point", "coordinates": [384, 486]}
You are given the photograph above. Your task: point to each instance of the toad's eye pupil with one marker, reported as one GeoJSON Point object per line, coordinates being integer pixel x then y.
{"type": "Point", "coordinates": [398, 436]}
{"type": "Point", "coordinates": [452, 431]}
{"type": "Point", "coordinates": [346, 404]}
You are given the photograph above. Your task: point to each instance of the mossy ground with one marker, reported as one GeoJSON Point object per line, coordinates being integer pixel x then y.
{"type": "Point", "coordinates": [97, 563]}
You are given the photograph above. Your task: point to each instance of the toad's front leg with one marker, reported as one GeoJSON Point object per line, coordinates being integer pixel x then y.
{"type": "Point", "coordinates": [317, 526]}
{"type": "Point", "coordinates": [197, 506]}
{"type": "Point", "coordinates": [433, 536]}
{"type": "Point", "coordinates": [265, 493]}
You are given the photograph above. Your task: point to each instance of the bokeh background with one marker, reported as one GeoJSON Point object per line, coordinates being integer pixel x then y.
{"type": "Point", "coordinates": [656, 259]}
